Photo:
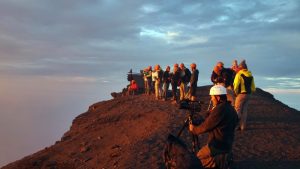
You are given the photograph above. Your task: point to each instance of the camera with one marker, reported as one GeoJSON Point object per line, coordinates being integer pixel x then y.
{"type": "Point", "coordinates": [194, 106]}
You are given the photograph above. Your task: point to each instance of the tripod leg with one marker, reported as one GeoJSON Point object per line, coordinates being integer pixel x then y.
{"type": "Point", "coordinates": [182, 128]}
{"type": "Point", "coordinates": [195, 143]}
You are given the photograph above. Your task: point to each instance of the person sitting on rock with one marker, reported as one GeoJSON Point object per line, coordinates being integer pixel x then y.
{"type": "Point", "coordinates": [133, 88]}
{"type": "Point", "coordinates": [220, 126]}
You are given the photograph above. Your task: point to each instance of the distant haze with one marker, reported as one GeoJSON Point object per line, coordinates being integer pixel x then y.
{"type": "Point", "coordinates": [58, 57]}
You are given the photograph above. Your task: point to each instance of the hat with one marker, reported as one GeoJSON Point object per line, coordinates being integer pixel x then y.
{"type": "Point", "coordinates": [243, 64]}
{"type": "Point", "coordinates": [234, 63]}
{"type": "Point", "coordinates": [157, 67]}
{"type": "Point", "coordinates": [193, 65]}
{"type": "Point", "coordinates": [220, 64]}
{"type": "Point", "coordinates": [181, 65]}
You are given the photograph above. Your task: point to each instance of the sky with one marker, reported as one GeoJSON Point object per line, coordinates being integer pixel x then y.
{"type": "Point", "coordinates": [58, 57]}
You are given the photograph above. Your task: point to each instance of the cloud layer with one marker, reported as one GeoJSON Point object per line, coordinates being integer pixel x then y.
{"type": "Point", "coordinates": [88, 37]}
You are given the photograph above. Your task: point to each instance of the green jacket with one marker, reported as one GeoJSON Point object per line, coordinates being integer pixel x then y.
{"type": "Point", "coordinates": [243, 82]}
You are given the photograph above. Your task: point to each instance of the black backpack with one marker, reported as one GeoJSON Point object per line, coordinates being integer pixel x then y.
{"type": "Point", "coordinates": [187, 76]}
{"type": "Point", "coordinates": [247, 82]}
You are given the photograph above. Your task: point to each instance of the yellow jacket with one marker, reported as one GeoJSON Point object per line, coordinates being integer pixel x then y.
{"type": "Point", "coordinates": [239, 83]}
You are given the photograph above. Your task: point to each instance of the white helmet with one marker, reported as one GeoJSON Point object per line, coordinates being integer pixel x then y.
{"type": "Point", "coordinates": [217, 90]}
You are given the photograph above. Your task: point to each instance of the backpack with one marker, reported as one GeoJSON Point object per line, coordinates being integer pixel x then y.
{"type": "Point", "coordinates": [187, 76]}
{"type": "Point", "coordinates": [247, 82]}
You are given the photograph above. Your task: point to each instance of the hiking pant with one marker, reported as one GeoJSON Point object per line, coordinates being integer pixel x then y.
{"type": "Point", "coordinates": [206, 158]}
{"type": "Point", "coordinates": [192, 90]}
{"type": "Point", "coordinates": [213, 158]}
{"type": "Point", "coordinates": [165, 91]}
{"type": "Point", "coordinates": [241, 106]}
{"type": "Point", "coordinates": [174, 90]}
{"type": "Point", "coordinates": [183, 90]}
{"type": "Point", "coordinates": [149, 86]}
{"type": "Point", "coordinates": [145, 85]}
{"type": "Point", "coordinates": [230, 95]}
{"type": "Point", "coordinates": [157, 89]}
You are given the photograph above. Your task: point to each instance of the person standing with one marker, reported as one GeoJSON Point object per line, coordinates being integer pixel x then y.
{"type": "Point", "coordinates": [185, 76]}
{"type": "Point", "coordinates": [145, 73]}
{"type": "Point", "coordinates": [157, 78]}
{"type": "Point", "coordinates": [243, 86]}
{"type": "Point", "coordinates": [224, 76]}
{"type": "Point", "coordinates": [193, 82]}
{"type": "Point", "coordinates": [220, 126]}
{"type": "Point", "coordinates": [166, 81]}
{"type": "Point", "coordinates": [148, 80]}
{"type": "Point", "coordinates": [216, 75]}
{"type": "Point", "coordinates": [175, 76]}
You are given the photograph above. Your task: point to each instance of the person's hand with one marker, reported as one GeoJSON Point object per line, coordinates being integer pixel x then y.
{"type": "Point", "coordinates": [191, 127]}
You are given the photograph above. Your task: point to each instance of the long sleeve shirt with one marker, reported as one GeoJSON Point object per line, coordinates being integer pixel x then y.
{"type": "Point", "coordinates": [220, 125]}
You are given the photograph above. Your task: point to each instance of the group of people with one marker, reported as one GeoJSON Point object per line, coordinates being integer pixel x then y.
{"type": "Point", "coordinates": [159, 81]}
{"type": "Point", "coordinates": [226, 113]}
{"type": "Point", "coordinates": [239, 83]}
{"type": "Point", "coordinates": [237, 80]}
{"type": "Point", "coordinates": [230, 95]}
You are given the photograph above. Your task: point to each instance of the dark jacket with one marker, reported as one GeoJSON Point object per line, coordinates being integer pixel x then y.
{"type": "Point", "coordinates": [166, 77]}
{"type": "Point", "coordinates": [194, 77]}
{"type": "Point", "coordinates": [226, 76]}
{"type": "Point", "coordinates": [220, 125]}
{"type": "Point", "coordinates": [185, 75]}
{"type": "Point", "coordinates": [175, 78]}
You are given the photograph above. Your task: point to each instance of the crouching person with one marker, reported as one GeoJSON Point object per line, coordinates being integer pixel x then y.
{"type": "Point", "coordinates": [133, 88]}
{"type": "Point", "coordinates": [220, 126]}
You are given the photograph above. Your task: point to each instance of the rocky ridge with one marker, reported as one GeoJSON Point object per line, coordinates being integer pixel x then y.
{"type": "Point", "coordinates": [129, 132]}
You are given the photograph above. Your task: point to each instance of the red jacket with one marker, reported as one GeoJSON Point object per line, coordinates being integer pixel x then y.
{"type": "Point", "coordinates": [133, 86]}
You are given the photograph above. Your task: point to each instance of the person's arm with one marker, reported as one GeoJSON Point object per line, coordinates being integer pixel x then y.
{"type": "Point", "coordinates": [210, 122]}
{"type": "Point", "coordinates": [236, 83]}
{"type": "Point", "coordinates": [213, 77]}
{"type": "Point", "coordinates": [253, 88]}
{"type": "Point", "coordinates": [192, 81]}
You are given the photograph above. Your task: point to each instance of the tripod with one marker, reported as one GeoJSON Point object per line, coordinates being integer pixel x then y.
{"type": "Point", "coordinates": [189, 120]}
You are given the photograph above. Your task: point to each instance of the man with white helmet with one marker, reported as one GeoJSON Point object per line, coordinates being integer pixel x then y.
{"type": "Point", "coordinates": [220, 126]}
